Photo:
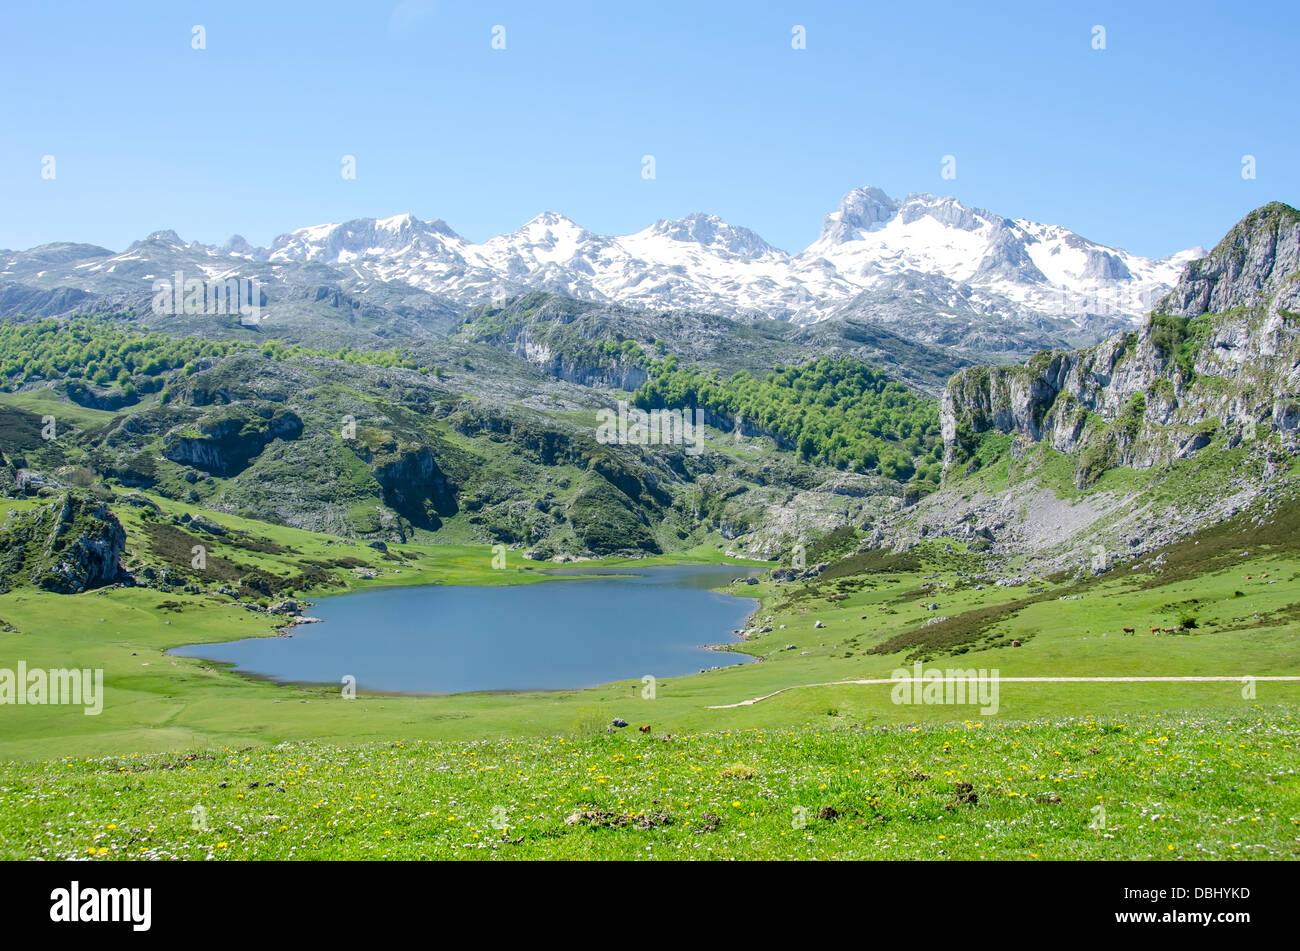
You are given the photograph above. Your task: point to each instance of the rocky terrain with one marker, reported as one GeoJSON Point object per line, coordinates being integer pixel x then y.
{"type": "Point", "coordinates": [1201, 403]}
{"type": "Point", "coordinates": [598, 344]}
{"type": "Point", "coordinates": [1218, 355]}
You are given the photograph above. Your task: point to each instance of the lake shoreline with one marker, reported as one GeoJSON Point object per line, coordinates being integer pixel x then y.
{"type": "Point", "coordinates": [576, 639]}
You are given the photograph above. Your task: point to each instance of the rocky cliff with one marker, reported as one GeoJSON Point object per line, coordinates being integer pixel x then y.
{"type": "Point", "coordinates": [1218, 357]}
{"type": "Point", "coordinates": [226, 440]}
{"type": "Point", "coordinates": [413, 484]}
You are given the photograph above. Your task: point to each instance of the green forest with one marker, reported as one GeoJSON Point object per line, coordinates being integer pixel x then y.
{"type": "Point", "coordinates": [99, 352]}
{"type": "Point", "coordinates": [835, 410]}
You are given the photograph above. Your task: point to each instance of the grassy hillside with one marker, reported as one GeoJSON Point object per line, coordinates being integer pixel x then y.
{"type": "Point", "coordinates": [380, 445]}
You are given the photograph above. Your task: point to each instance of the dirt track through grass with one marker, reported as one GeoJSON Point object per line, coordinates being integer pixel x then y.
{"type": "Point", "coordinates": [1001, 680]}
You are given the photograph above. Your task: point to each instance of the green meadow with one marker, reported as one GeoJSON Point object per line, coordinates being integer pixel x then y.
{"type": "Point", "coordinates": [1132, 787]}
{"type": "Point", "coordinates": [412, 776]}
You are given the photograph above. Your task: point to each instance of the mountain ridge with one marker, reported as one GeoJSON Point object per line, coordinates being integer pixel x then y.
{"type": "Point", "coordinates": [1081, 458]}
{"type": "Point", "coordinates": [928, 267]}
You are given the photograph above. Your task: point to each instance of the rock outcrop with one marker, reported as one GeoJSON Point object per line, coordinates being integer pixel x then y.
{"type": "Point", "coordinates": [413, 484]}
{"type": "Point", "coordinates": [72, 545]}
{"type": "Point", "coordinates": [226, 440]}
{"type": "Point", "coordinates": [1255, 265]}
{"type": "Point", "coordinates": [97, 397]}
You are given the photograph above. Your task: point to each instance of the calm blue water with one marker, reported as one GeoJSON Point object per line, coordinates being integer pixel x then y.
{"type": "Point", "coordinates": [545, 636]}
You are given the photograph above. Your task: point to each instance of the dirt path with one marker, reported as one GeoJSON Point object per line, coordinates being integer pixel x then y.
{"type": "Point", "coordinates": [1006, 680]}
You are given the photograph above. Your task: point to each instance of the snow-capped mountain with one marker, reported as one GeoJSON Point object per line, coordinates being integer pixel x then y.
{"type": "Point", "coordinates": [871, 238]}
{"type": "Point", "coordinates": [1018, 269]}
{"type": "Point", "coordinates": [930, 268]}
{"type": "Point", "coordinates": [699, 262]}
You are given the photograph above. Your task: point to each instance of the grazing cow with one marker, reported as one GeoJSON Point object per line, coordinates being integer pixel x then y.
{"type": "Point", "coordinates": [1129, 630]}
{"type": "Point", "coordinates": [1167, 630]}
{"type": "Point", "coordinates": [1155, 630]}
{"type": "Point", "coordinates": [644, 728]}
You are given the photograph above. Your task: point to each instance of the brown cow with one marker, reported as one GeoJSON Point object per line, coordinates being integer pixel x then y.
{"type": "Point", "coordinates": [1129, 630]}
{"type": "Point", "coordinates": [644, 728]}
{"type": "Point", "coordinates": [1155, 630]}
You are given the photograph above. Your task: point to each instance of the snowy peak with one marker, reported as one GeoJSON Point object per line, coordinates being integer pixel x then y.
{"type": "Point", "coordinates": [548, 232]}
{"type": "Point", "coordinates": [553, 220]}
{"type": "Point", "coordinates": [861, 210]}
{"type": "Point", "coordinates": [712, 232]}
{"type": "Point", "coordinates": [550, 251]}
{"type": "Point", "coordinates": [950, 213]}
{"type": "Point", "coordinates": [549, 227]}
{"type": "Point", "coordinates": [165, 239]}
{"type": "Point", "coordinates": [237, 246]}
{"type": "Point", "coordinates": [365, 238]}
{"type": "Point", "coordinates": [1018, 265]}
{"type": "Point", "coordinates": [872, 235]}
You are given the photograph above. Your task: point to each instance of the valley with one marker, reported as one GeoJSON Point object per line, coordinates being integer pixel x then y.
{"type": "Point", "coordinates": [1112, 531]}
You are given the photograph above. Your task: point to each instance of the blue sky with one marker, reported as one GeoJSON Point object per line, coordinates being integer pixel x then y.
{"type": "Point", "coordinates": [1139, 145]}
